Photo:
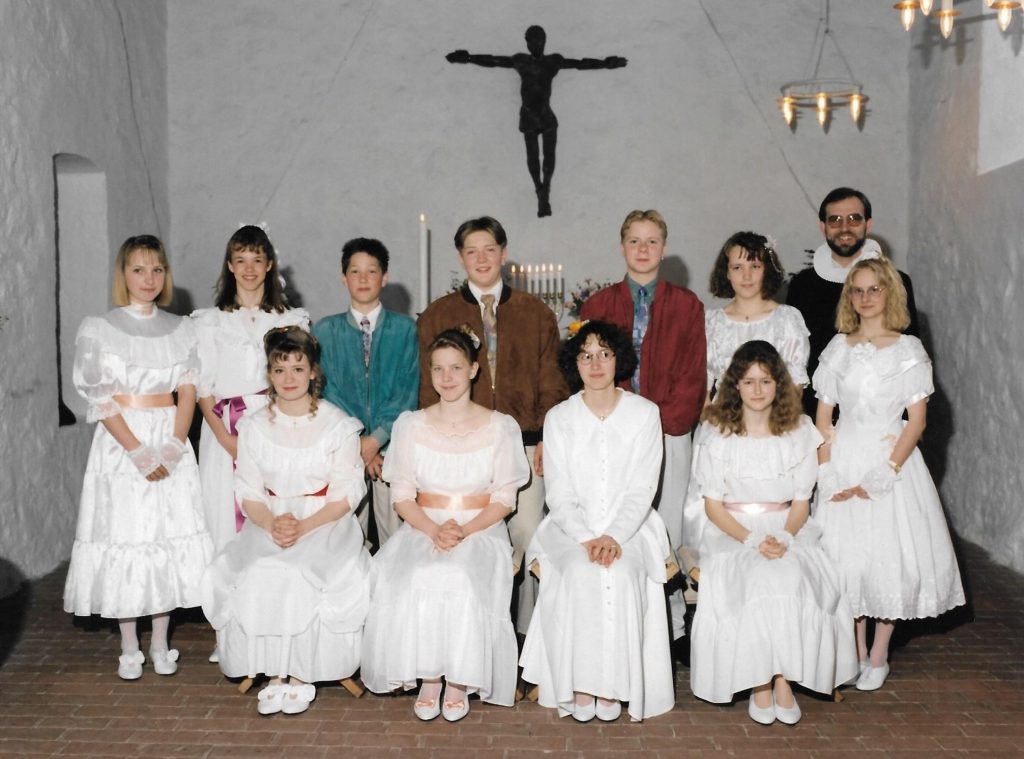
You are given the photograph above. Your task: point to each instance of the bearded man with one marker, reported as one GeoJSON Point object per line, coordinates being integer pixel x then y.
{"type": "Point", "coordinates": [845, 220]}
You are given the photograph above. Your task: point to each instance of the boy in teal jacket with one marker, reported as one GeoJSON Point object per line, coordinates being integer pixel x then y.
{"type": "Point", "coordinates": [371, 360]}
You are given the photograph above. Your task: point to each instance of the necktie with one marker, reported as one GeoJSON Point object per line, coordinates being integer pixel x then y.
{"type": "Point", "coordinates": [641, 313]}
{"type": "Point", "coordinates": [490, 334]}
{"type": "Point", "coordinates": [367, 339]}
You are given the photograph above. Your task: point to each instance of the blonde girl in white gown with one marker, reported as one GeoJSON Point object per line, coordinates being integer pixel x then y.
{"type": "Point", "coordinates": [600, 635]}
{"type": "Point", "coordinates": [288, 596]}
{"type": "Point", "coordinates": [442, 584]}
{"type": "Point", "coordinates": [141, 542]}
{"type": "Point", "coordinates": [883, 521]}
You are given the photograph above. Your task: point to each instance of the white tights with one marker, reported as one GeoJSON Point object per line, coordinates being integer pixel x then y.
{"type": "Point", "coordinates": [130, 633]}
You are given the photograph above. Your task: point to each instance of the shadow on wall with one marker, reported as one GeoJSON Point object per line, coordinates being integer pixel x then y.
{"type": "Point", "coordinates": [15, 598]}
{"type": "Point", "coordinates": [182, 303]}
{"type": "Point", "coordinates": [934, 444]}
{"type": "Point", "coordinates": [673, 269]}
{"type": "Point", "coordinates": [397, 298]}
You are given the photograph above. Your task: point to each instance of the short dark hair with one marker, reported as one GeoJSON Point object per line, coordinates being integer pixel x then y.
{"type": "Point", "coordinates": [461, 338]}
{"type": "Point", "coordinates": [757, 249]}
{"type": "Point", "coordinates": [608, 335]}
{"type": "Point", "coordinates": [481, 224]}
{"type": "Point", "coordinates": [842, 193]}
{"type": "Point", "coordinates": [370, 247]}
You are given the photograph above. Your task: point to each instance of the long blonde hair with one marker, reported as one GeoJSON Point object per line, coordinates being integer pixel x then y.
{"type": "Point", "coordinates": [896, 316]}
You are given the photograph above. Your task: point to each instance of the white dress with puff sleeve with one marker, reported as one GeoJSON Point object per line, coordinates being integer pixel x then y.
{"type": "Point", "coordinates": [893, 550]}
{"type": "Point", "coordinates": [233, 369]}
{"type": "Point", "coordinates": [759, 617]}
{"type": "Point", "coordinates": [601, 630]}
{"type": "Point", "coordinates": [297, 610]}
{"type": "Point", "coordinates": [140, 546]}
{"type": "Point", "coordinates": [437, 613]}
{"type": "Point", "coordinates": [784, 328]}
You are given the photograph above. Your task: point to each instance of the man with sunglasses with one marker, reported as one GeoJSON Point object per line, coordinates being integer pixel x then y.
{"type": "Point", "coordinates": [844, 218]}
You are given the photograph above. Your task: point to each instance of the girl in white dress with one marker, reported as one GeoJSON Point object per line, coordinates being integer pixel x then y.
{"type": "Point", "coordinates": [289, 596]}
{"type": "Point", "coordinates": [599, 634]}
{"type": "Point", "coordinates": [249, 302]}
{"type": "Point", "coordinates": [442, 584]}
{"type": "Point", "coordinates": [770, 608]}
{"type": "Point", "coordinates": [876, 501]}
{"type": "Point", "coordinates": [141, 542]}
{"type": "Point", "coordinates": [748, 271]}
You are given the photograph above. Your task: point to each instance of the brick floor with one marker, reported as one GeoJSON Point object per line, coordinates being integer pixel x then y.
{"type": "Point", "coordinates": [955, 690]}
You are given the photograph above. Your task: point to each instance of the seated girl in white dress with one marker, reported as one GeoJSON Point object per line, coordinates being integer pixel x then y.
{"type": "Point", "coordinates": [141, 543]}
{"type": "Point", "coordinates": [442, 584]}
{"type": "Point", "coordinates": [289, 595]}
{"type": "Point", "coordinates": [770, 608]}
{"type": "Point", "coordinates": [876, 501]}
{"type": "Point", "coordinates": [599, 634]}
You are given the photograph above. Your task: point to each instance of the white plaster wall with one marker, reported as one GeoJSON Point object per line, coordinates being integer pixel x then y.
{"type": "Point", "coordinates": [966, 229]}
{"type": "Point", "coordinates": [331, 119]}
{"type": "Point", "coordinates": [65, 88]}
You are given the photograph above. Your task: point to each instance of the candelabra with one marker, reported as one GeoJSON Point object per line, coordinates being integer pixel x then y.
{"type": "Point", "coordinates": [544, 281]}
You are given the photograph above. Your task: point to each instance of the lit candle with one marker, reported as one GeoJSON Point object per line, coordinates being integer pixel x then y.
{"type": "Point", "coordinates": [529, 278]}
{"type": "Point", "coordinates": [561, 283]}
{"type": "Point", "coordinates": [424, 265]}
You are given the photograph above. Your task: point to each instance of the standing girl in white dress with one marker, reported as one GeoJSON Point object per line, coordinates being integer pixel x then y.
{"type": "Point", "coordinates": [141, 543]}
{"type": "Point", "coordinates": [249, 302]}
{"type": "Point", "coordinates": [770, 609]}
{"type": "Point", "coordinates": [599, 634]}
{"type": "Point", "coordinates": [876, 501]}
{"type": "Point", "coordinates": [289, 596]}
{"type": "Point", "coordinates": [748, 271]}
{"type": "Point", "coordinates": [442, 584]}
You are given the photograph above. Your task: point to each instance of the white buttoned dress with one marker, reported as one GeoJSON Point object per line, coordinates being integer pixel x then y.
{"type": "Point", "coordinates": [601, 630]}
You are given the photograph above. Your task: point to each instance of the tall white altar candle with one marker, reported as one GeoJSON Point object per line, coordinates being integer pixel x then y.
{"type": "Point", "coordinates": [424, 265]}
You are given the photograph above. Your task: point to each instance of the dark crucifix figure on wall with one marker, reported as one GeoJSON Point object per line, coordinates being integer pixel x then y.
{"type": "Point", "coordinates": [537, 121]}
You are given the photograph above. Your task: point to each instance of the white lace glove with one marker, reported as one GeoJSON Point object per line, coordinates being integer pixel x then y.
{"type": "Point", "coordinates": [828, 481]}
{"type": "Point", "coordinates": [879, 481]}
{"type": "Point", "coordinates": [146, 460]}
{"type": "Point", "coordinates": [754, 540]}
{"type": "Point", "coordinates": [783, 537]}
{"type": "Point", "coordinates": [171, 452]}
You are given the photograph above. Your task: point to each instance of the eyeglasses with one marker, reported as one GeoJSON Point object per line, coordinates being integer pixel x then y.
{"type": "Point", "coordinates": [867, 292]}
{"type": "Point", "coordinates": [853, 219]}
{"type": "Point", "coordinates": [602, 357]}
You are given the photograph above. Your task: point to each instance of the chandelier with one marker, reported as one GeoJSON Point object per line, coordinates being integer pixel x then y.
{"type": "Point", "coordinates": [823, 94]}
{"type": "Point", "coordinates": [1004, 13]}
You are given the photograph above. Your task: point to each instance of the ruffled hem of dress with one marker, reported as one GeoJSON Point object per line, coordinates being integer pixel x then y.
{"type": "Point", "coordinates": [316, 654]}
{"type": "Point", "coordinates": [806, 648]}
{"type": "Point", "coordinates": [123, 580]}
{"type": "Point", "coordinates": [395, 631]}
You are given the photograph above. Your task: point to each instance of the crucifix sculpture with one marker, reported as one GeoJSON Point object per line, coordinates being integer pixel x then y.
{"type": "Point", "coordinates": [537, 121]}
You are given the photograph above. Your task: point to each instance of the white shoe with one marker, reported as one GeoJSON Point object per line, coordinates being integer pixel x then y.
{"type": "Point", "coordinates": [164, 662]}
{"type": "Point", "coordinates": [788, 715]}
{"type": "Point", "coordinates": [297, 698]}
{"type": "Point", "coordinates": [270, 698]}
{"type": "Point", "coordinates": [585, 713]}
{"type": "Point", "coordinates": [129, 666]}
{"type": "Point", "coordinates": [214, 656]}
{"type": "Point", "coordinates": [427, 709]}
{"type": "Point", "coordinates": [609, 712]}
{"type": "Point", "coordinates": [873, 677]}
{"type": "Point", "coordinates": [763, 715]}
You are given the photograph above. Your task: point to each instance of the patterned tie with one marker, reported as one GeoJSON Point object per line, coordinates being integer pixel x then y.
{"type": "Point", "coordinates": [367, 339]}
{"type": "Point", "coordinates": [641, 313]}
{"type": "Point", "coordinates": [491, 334]}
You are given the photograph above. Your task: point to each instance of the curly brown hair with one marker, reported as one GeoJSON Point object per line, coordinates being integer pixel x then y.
{"type": "Point", "coordinates": [726, 411]}
{"type": "Point", "coordinates": [282, 342]}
